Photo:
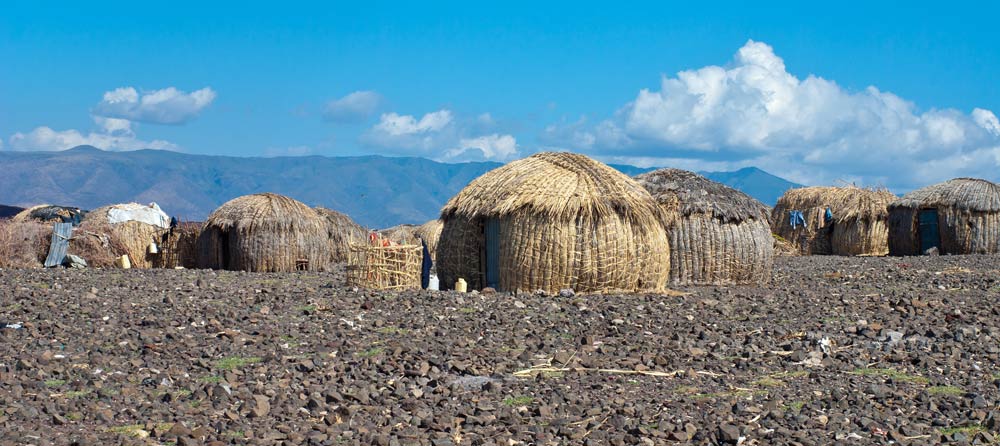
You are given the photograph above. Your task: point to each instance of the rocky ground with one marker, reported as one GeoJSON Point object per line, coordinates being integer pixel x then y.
{"type": "Point", "coordinates": [835, 351]}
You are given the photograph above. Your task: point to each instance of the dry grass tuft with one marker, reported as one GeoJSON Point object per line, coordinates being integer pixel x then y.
{"type": "Point", "coordinates": [24, 244]}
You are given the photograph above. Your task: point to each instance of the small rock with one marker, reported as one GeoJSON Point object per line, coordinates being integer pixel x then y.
{"type": "Point", "coordinates": [567, 292]}
{"type": "Point", "coordinates": [729, 433]}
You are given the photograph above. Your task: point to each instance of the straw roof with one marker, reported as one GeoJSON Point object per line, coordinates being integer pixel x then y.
{"type": "Point", "coordinates": [971, 194]}
{"type": "Point", "coordinates": [558, 185]}
{"type": "Point", "coordinates": [846, 203]}
{"type": "Point", "coordinates": [691, 193]}
{"type": "Point", "coordinates": [266, 211]}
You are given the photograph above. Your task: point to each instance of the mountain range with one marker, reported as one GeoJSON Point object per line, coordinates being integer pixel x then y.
{"type": "Point", "coordinates": [375, 191]}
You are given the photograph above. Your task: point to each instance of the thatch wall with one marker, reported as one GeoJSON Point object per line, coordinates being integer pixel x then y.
{"type": "Point", "coordinates": [342, 232]}
{"type": "Point", "coordinates": [178, 248]}
{"type": "Point", "coordinates": [110, 241]}
{"type": "Point", "coordinates": [859, 225]}
{"type": "Point", "coordinates": [430, 233]}
{"type": "Point", "coordinates": [565, 221]}
{"type": "Point", "coordinates": [721, 235]}
{"type": "Point", "coordinates": [264, 232]}
{"type": "Point", "coordinates": [968, 217]}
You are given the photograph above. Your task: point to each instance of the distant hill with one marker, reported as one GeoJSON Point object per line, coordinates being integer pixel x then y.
{"type": "Point", "coordinates": [376, 191]}
{"type": "Point", "coordinates": [9, 211]}
{"type": "Point", "coordinates": [754, 182]}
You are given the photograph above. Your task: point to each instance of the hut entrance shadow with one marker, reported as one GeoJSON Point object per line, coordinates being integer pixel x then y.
{"type": "Point", "coordinates": [930, 237]}
{"type": "Point", "coordinates": [492, 254]}
{"type": "Point", "coordinates": [224, 243]}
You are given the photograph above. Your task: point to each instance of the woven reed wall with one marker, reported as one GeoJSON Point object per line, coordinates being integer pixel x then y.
{"type": "Point", "coordinates": [180, 249]}
{"type": "Point", "coordinates": [860, 238]}
{"type": "Point", "coordinates": [600, 255]}
{"type": "Point", "coordinates": [252, 249]}
{"type": "Point", "coordinates": [384, 267]}
{"type": "Point", "coordinates": [811, 238]}
{"type": "Point", "coordinates": [961, 231]}
{"type": "Point", "coordinates": [459, 252]}
{"type": "Point", "coordinates": [705, 251]}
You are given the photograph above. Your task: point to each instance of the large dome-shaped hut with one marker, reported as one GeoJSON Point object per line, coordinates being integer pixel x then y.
{"type": "Point", "coordinates": [553, 221]}
{"type": "Point", "coordinates": [721, 235]}
{"type": "Point", "coordinates": [845, 221]}
{"type": "Point", "coordinates": [264, 232]}
{"type": "Point", "coordinates": [959, 216]}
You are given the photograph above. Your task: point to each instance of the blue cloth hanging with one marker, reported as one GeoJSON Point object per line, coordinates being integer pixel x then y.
{"type": "Point", "coordinates": [795, 218]}
{"type": "Point", "coordinates": [828, 215]}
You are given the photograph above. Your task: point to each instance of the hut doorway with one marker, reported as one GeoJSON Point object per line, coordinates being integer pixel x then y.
{"type": "Point", "coordinates": [491, 272]}
{"type": "Point", "coordinates": [930, 237]}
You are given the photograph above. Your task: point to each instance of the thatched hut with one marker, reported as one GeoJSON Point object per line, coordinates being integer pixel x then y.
{"type": "Point", "coordinates": [342, 232]}
{"type": "Point", "coordinates": [430, 233]}
{"type": "Point", "coordinates": [959, 216]}
{"type": "Point", "coordinates": [264, 232]}
{"type": "Point", "coordinates": [118, 235]}
{"type": "Point", "coordinates": [721, 235]}
{"type": "Point", "coordinates": [553, 221]}
{"type": "Point", "coordinates": [855, 224]}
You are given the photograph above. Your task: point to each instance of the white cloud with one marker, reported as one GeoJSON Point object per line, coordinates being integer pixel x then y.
{"type": "Point", "coordinates": [440, 135]}
{"type": "Point", "coordinates": [753, 111]}
{"type": "Point", "coordinates": [166, 106]}
{"type": "Point", "coordinates": [488, 147]}
{"type": "Point", "coordinates": [354, 107]}
{"type": "Point", "coordinates": [393, 124]}
{"type": "Point", "coordinates": [45, 138]}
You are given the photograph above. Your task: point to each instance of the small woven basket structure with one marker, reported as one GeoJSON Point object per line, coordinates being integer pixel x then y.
{"type": "Point", "coordinates": [384, 266]}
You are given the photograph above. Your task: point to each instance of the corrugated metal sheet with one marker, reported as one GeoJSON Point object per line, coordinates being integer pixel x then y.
{"type": "Point", "coordinates": [492, 230]}
{"type": "Point", "coordinates": [61, 232]}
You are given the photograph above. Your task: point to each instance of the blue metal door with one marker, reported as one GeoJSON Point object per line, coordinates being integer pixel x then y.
{"type": "Point", "coordinates": [492, 230]}
{"type": "Point", "coordinates": [929, 235]}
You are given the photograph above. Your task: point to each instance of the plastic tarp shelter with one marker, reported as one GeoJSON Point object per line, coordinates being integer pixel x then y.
{"type": "Point", "coordinates": [152, 214]}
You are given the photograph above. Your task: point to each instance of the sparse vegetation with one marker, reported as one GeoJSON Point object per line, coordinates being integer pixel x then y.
{"type": "Point", "coordinates": [893, 374]}
{"type": "Point", "coordinates": [235, 362]}
{"type": "Point", "coordinates": [518, 401]}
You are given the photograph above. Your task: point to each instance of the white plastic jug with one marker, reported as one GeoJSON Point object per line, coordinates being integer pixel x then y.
{"type": "Point", "coordinates": [434, 284]}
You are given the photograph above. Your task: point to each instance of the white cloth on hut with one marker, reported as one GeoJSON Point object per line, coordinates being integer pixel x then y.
{"type": "Point", "coordinates": [152, 214]}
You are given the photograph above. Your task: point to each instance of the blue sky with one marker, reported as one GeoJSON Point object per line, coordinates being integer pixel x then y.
{"type": "Point", "coordinates": [898, 94]}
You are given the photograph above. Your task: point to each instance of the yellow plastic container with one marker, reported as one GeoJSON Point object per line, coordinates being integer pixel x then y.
{"type": "Point", "coordinates": [461, 286]}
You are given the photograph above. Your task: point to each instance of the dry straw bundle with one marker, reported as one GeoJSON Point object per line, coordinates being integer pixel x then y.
{"type": "Point", "coordinates": [342, 232]}
{"type": "Point", "coordinates": [858, 227]}
{"type": "Point", "coordinates": [968, 217]}
{"type": "Point", "coordinates": [721, 235]}
{"type": "Point", "coordinates": [563, 221]}
{"type": "Point", "coordinates": [264, 232]}
{"type": "Point", "coordinates": [401, 234]}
